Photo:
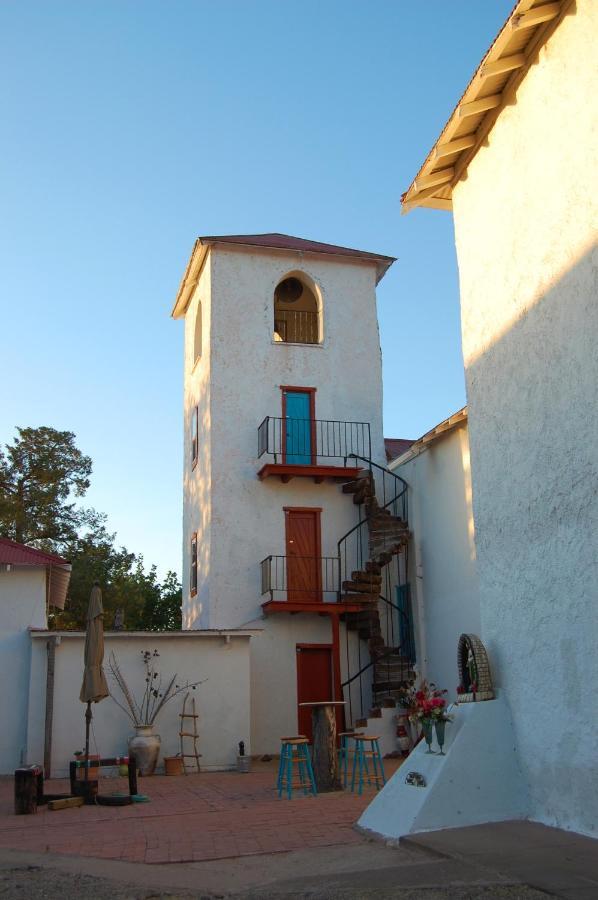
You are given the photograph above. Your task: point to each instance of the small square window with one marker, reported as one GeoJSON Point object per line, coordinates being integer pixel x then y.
{"type": "Point", "coordinates": [194, 435]}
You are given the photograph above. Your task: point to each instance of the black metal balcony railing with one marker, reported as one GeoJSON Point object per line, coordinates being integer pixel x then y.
{"type": "Point", "coordinates": [300, 578]}
{"type": "Point", "coordinates": [296, 326]}
{"type": "Point", "coordinates": [305, 441]}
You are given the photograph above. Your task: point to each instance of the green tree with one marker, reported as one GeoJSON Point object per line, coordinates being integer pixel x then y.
{"type": "Point", "coordinates": [40, 475]}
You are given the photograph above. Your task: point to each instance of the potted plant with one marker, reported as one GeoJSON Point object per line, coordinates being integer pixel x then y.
{"type": "Point", "coordinates": [430, 712]}
{"type": "Point", "coordinates": [145, 744]}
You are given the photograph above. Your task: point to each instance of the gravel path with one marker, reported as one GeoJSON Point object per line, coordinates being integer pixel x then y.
{"type": "Point", "coordinates": [37, 883]}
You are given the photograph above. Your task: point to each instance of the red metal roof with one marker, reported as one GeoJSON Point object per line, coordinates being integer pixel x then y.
{"type": "Point", "coordinates": [395, 447]}
{"type": "Point", "coordinates": [13, 553]}
{"type": "Point", "coordinates": [288, 242]}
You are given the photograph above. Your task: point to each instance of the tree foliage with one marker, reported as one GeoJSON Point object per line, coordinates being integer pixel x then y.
{"type": "Point", "coordinates": [41, 475]}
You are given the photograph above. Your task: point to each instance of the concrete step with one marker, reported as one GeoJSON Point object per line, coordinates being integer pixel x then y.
{"type": "Point", "coordinates": [361, 587]}
{"type": "Point", "coordinates": [379, 686]}
{"type": "Point", "coordinates": [366, 577]}
{"type": "Point", "coordinates": [365, 599]}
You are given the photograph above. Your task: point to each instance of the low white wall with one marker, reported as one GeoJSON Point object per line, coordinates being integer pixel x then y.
{"type": "Point", "coordinates": [477, 780]}
{"type": "Point", "coordinates": [223, 701]}
{"type": "Point", "coordinates": [22, 606]}
{"type": "Point", "coordinates": [444, 584]}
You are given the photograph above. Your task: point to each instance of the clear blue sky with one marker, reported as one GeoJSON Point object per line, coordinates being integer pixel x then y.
{"type": "Point", "coordinates": [128, 128]}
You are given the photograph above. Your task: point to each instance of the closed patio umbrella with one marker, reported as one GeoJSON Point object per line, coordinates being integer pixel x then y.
{"type": "Point", "coordinates": [94, 687]}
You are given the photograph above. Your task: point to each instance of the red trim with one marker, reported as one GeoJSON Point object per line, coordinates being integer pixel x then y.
{"type": "Point", "coordinates": [322, 609]}
{"type": "Point", "coordinates": [286, 471]}
{"type": "Point", "coordinates": [314, 646]}
{"type": "Point", "coordinates": [295, 387]}
{"type": "Point", "coordinates": [312, 415]}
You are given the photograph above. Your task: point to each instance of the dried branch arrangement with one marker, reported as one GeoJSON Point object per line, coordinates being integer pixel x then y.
{"type": "Point", "coordinates": [155, 695]}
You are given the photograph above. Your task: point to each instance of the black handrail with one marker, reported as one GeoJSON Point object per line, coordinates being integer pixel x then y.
{"type": "Point", "coordinates": [396, 505]}
{"type": "Point", "coordinates": [287, 438]}
{"type": "Point", "coordinates": [320, 581]}
{"type": "Point", "coordinates": [399, 495]}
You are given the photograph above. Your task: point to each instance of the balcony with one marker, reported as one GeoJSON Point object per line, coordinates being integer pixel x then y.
{"type": "Point", "coordinates": [312, 448]}
{"type": "Point", "coordinates": [303, 584]}
{"type": "Point", "coordinates": [296, 326]}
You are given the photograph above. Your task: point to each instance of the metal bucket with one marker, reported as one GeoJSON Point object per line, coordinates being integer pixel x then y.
{"type": "Point", "coordinates": [243, 764]}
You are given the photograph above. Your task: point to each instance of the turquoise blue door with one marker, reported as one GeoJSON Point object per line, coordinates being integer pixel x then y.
{"type": "Point", "coordinates": [406, 632]}
{"type": "Point", "coordinates": [297, 428]}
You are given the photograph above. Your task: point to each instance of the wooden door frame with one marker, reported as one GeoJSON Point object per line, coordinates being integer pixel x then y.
{"type": "Point", "coordinates": [317, 510]}
{"type": "Point", "coordinates": [312, 417]}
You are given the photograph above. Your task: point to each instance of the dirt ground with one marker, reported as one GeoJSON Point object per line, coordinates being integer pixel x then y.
{"type": "Point", "coordinates": [37, 883]}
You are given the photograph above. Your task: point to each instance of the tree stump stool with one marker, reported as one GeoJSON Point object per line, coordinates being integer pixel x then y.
{"type": "Point", "coordinates": [29, 789]}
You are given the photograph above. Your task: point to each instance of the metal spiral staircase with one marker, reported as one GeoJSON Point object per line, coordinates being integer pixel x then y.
{"type": "Point", "coordinates": [372, 565]}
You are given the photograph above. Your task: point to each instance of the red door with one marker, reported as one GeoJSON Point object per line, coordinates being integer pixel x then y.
{"type": "Point", "coordinates": [314, 680]}
{"type": "Point", "coordinates": [304, 578]}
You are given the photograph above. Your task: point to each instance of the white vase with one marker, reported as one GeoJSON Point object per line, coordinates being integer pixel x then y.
{"type": "Point", "coordinates": [145, 747]}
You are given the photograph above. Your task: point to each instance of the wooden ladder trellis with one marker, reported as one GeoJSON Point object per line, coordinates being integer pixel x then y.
{"type": "Point", "coordinates": [189, 734]}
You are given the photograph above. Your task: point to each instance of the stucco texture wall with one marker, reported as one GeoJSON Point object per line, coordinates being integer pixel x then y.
{"type": "Point", "coordinates": [240, 520]}
{"type": "Point", "coordinates": [444, 592]}
{"type": "Point", "coordinates": [237, 383]}
{"type": "Point", "coordinates": [196, 479]}
{"type": "Point", "coordinates": [22, 606]}
{"type": "Point", "coordinates": [223, 702]}
{"type": "Point", "coordinates": [526, 219]}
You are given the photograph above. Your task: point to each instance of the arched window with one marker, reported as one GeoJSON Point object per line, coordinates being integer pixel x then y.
{"type": "Point", "coordinates": [297, 311]}
{"type": "Point", "coordinates": [197, 334]}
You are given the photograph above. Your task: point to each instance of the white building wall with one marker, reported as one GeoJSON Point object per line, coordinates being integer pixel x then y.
{"type": "Point", "coordinates": [22, 606]}
{"type": "Point", "coordinates": [240, 519]}
{"type": "Point", "coordinates": [444, 585]}
{"type": "Point", "coordinates": [223, 701]}
{"type": "Point", "coordinates": [197, 498]}
{"type": "Point", "coordinates": [526, 221]}
{"type": "Point", "coordinates": [247, 370]}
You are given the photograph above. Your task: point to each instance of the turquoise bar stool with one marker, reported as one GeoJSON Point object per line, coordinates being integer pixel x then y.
{"type": "Point", "coordinates": [367, 748]}
{"type": "Point", "coordinates": [346, 750]}
{"type": "Point", "coordinates": [294, 751]}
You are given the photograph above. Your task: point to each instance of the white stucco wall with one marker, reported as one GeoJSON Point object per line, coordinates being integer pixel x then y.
{"type": "Point", "coordinates": [477, 780]}
{"type": "Point", "coordinates": [197, 498]}
{"type": "Point", "coordinates": [22, 606]}
{"type": "Point", "coordinates": [444, 587]}
{"type": "Point", "coordinates": [223, 701]}
{"type": "Point", "coordinates": [239, 519]}
{"type": "Point", "coordinates": [238, 381]}
{"type": "Point", "coordinates": [526, 219]}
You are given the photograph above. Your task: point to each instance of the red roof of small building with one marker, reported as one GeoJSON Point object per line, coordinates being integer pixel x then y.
{"type": "Point", "coordinates": [15, 554]}
{"type": "Point", "coordinates": [395, 447]}
{"type": "Point", "coordinates": [288, 242]}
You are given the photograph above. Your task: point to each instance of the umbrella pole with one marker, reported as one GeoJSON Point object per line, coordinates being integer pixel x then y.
{"type": "Point", "coordinates": [87, 724]}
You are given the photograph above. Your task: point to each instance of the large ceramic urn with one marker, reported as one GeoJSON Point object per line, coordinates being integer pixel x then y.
{"type": "Point", "coordinates": [145, 747]}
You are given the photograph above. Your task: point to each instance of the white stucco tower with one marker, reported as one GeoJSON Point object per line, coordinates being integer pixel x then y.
{"type": "Point", "coordinates": [282, 381]}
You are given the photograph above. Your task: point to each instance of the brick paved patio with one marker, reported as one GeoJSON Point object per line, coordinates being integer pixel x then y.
{"type": "Point", "coordinates": [213, 815]}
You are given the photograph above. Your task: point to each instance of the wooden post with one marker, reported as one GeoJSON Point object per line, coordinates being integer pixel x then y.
{"type": "Point", "coordinates": [336, 666]}
{"type": "Point", "coordinates": [132, 775]}
{"type": "Point", "coordinates": [325, 760]}
{"type": "Point", "coordinates": [51, 647]}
